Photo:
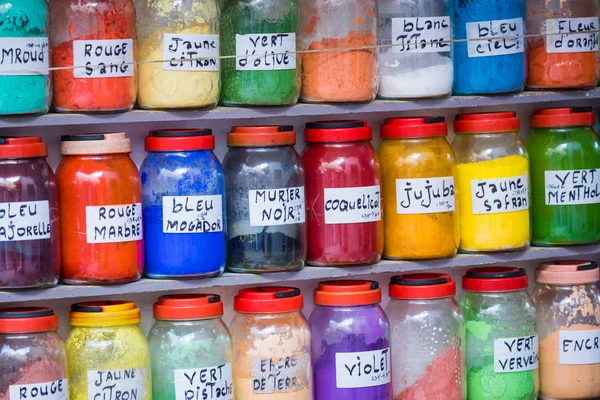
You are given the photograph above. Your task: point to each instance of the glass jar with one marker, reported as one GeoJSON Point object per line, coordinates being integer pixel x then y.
{"type": "Point", "coordinates": [109, 356]}
{"type": "Point", "coordinates": [185, 34]}
{"type": "Point", "coordinates": [271, 345]}
{"type": "Point", "coordinates": [418, 170]}
{"type": "Point", "coordinates": [98, 36]}
{"type": "Point", "coordinates": [24, 76]}
{"type": "Point", "coordinates": [183, 191]}
{"type": "Point", "coordinates": [33, 361]}
{"type": "Point", "coordinates": [416, 58]}
{"type": "Point", "coordinates": [562, 61]}
{"type": "Point", "coordinates": [343, 201]}
{"type": "Point", "coordinates": [568, 303]}
{"type": "Point", "coordinates": [501, 337]}
{"type": "Point", "coordinates": [344, 75]}
{"type": "Point", "coordinates": [263, 37]}
{"type": "Point", "coordinates": [428, 335]}
{"type": "Point", "coordinates": [564, 152]}
{"type": "Point", "coordinates": [100, 194]}
{"type": "Point", "coordinates": [265, 200]}
{"type": "Point", "coordinates": [29, 231]}
{"type": "Point", "coordinates": [490, 55]}
{"type": "Point", "coordinates": [190, 348]}
{"type": "Point", "coordinates": [493, 182]}
{"type": "Point", "coordinates": [350, 342]}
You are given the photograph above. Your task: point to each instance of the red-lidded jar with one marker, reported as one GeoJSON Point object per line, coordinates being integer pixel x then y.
{"type": "Point", "coordinates": [343, 194]}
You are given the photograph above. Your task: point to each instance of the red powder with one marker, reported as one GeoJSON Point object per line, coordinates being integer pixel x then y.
{"type": "Point", "coordinates": [38, 371]}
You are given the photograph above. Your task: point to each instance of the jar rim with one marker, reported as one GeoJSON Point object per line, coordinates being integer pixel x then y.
{"type": "Point", "coordinates": [27, 320]}
{"type": "Point", "coordinates": [180, 140]}
{"type": "Point", "coordinates": [567, 272]}
{"type": "Point", "coordinates": [95, 143]}
{"type": "Point", "coordinates": [562, 117]}
{"type": "Point", "coordinates": [427, 285]}
{"type": "Point", "coordinates": [94, 314]}
{"type": "Point", "coordinates": [492, 122]}
{"type": "Point", "coordinates": [347, 293]}
{"type": "Point", "coordinates": [188, 307]}
{"type": "Point", "coordinates": [268, 300]}
{"type": "Point", "coordinates": [337, 131]}
{"type": "Point", "coordinates": [22, 147]}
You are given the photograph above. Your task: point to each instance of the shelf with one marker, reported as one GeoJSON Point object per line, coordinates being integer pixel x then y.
{"type": "Point", "coordinates": [146, 286]}
{"type": "Point", "coordinates": [299, 110]}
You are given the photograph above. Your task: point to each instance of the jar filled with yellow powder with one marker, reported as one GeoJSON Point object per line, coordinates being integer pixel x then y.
{"type": "Point", "coordinates": [183, 36]}
{"type": "Point", "coordinates": [493, 183]}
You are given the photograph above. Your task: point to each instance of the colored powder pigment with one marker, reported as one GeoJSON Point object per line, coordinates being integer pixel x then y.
{"type": "Point", "coordinates": [251, 252]}
{"type": "Point", "coordinates": [556, 71]}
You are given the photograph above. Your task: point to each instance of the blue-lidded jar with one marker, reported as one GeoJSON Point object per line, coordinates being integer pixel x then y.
{"type": "Point", "coordinates": [183, 205]}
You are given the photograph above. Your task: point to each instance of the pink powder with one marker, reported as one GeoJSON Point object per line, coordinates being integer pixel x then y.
{"type": "Point", "coordinates": [36, 371]}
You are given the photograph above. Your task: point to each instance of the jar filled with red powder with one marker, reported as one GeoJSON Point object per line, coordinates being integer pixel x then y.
{"type": "Point", "coordinates": [97, 37]}
{"type": "Point", "coordinates": [343, 196]}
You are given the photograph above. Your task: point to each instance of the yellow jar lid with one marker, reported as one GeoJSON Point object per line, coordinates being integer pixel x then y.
{"type": "Point", "coordinates": [104, 313]}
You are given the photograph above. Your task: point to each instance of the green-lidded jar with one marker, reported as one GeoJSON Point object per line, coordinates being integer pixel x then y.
{"type": "Point", "coordinates": [564, 154]}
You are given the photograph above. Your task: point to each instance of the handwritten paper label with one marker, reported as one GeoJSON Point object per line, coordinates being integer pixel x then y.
{"type": "Point", "coordinates": [516, 354]}
{"type": "Point", "coordinates": [114, 224]}
{"type": "Point", "coordinates": [579, 347]}
{"type": "Point", "coordinates": [288, 374]}
{"type": "Point", "coordinates": [181, 49]}
{"type": "Point", "coordinates": [192, 214]}
{"type": "Point", "coordinates": [570, 35]}
{"type": "Point", "coordinates": [204, 383]}
{"type": "Point", "coordinates": [26, 220]}
{"type": "Point", "coordinates": [277, 206]}
{"type": "Point", "coordinates": [500, 195]}
{"type": "Point", "coordinates": [421, 35]}
{"type": "Point", "coordinates": [352, 205]}
{"type": "Point", "coordinates": [424, 196]}
{"type": "Point", "coordinates": [495, 38]}
{"type": "Point", "coordinates": [103, 58]}
{"type": "Point", "coordinates": [571, 187]}
{"type": "Point", "coordinates": [55, 390]}
{"type": "Point", "coordinates": [18, 54]}
{"type": "Point", "coordinates": [363, 369]}
{"type": "Point", "coordinates": [265, 51]}
{"type": "Point", "coordinates": [120, 384]}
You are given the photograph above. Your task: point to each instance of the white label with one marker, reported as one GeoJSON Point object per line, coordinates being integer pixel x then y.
{"type": "Point", "coordinates": [265, 51]}
{"type": "Point", "coordinates": [500, 195]}
{"type": "Point", "coordinates": [103, 58]}
{"type": "Point", "coordinates": [204, 383]}
{"type": "Point", "coordinates": [516, 354]}
{"type": "Point", "coordinates": [352, 205]}
{"type": "Point", "coordinates": [425, 195]}
{"type": "Point", "coordinates": [55, 390]}
{"type": "Point", "coordinates": [362, 369]}
{"type": "Point", "coordinates": [277, 206]}
{"type": "Point", "coordinates": [571, 187]}
{"type": "Point", "coordinates": [26, 220]}
{"type": "Point", "coordinates": [114, 224]}
{"type": "Point", "coordinates": [495, 38]}
{"type": "Point", "coordinates": [182, 49]}
{"type": "Point", "coordinates": [18, 54]}
{"type": "Point", "coordinates": [288, 374]}
{"type": "Point", "coordinates": [421, 35]}
{"type": "Point", "coordinates": [117, 384]}
{"type": "Point", "coordinates": [579, 347]}
{"type": "Point", "coordinates": [192, 214]}
{"type": "Point", "coordinates": [568, 36]}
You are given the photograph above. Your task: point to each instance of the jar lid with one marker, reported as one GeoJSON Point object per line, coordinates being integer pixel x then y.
{"type": "Point", "coordinates": [422, 286]}
{"type": "Point", "coordinates": [271, 299]}
{"type": "Point", "coordinates": [337, 131]}
{"type": "Point", "coordinates": [104, 313]}
{"type": "Point", "coordinates": [22, 147]}
{"type": "Point", "coordinates": [27, 320]}
{"type": "Point", "coordinates": [184, 307]}
{"type": "Point", "coordinates": [495, 279]}
{"type": "Point", "coordinates": [569, 272]}
{"type": "Point", "coordinates": [95, 143]}
{"type": "Point", "coordinates": [558, 117]}
{"type": "Point", "coordinates": [400, 128]}
{"type": "Point", "coordinates": [347, 293]}
{"type": "Point", "coordinates": [180, 140]}
{"type": "Point", "coordinates": [496, 122]}
{"type": "Point", "coordinates": [261, 136]}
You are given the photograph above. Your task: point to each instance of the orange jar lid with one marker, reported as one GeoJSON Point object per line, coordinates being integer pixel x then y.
{"type": "Point", "coordinates": [27, 320]}
{"type": "Point", "coordinates": [337, 131]}
{"type": "Point", "coordinates": [562, 117]}
{"type": "Point", "coordinates": [495, 122]}
{"type": "Point", "coordinates": [414, 127]}
{"type": "Point", "coordinates": [22, 147]}
{"type": "Point", "coordinates": [567, 273]}
{"type": "Point", "coordinates": [95, 143]}
{"type": "Point", "coordinates": [104, 313]}
{"type": "Point", "coordinates": [180, 140]}
{"type": "Point", "coordinates": [261, 136]}
{"type": "Point", "coordinates": [270, 299]}
{"type": "Point", "coordinates": [185, 307]}
{"type": "Point", "coordinates": [347, 293]}
{"type": "Point", "coordinates": [426, 285]}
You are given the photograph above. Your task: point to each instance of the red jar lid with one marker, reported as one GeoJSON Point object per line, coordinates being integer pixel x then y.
{"type": "Point", "coordinates": [185, 307]}
{"type": "Point", "coordinates": [567, 273]}
{"type": "Point", "coordinates": [559, 117]}
{"type": "Point", "coordinates": [347, 293]}
{"type": "Point", "coordinates": [180, 140]}
{"type": "Point", "coordinates": [271, 299]}
{"type": "Point", "coordinates": [497, 122]}
{"type": "Point", "coordinates": [27, 320]}
{"type": "Point", "coordinates": [95, 143]}
{"type": "Point", "coordinates": [261, 136]}
{"type": "Point", "coordinates": [495, 279]}
{"type": "Point", "coordinates": [337, 131]}
{"type": "Point", "coordinates": [22, 147]}
{"type": "Point", "coordinates": [422, 286]}
{"type": "Point", "coordinates": [400, 128]}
